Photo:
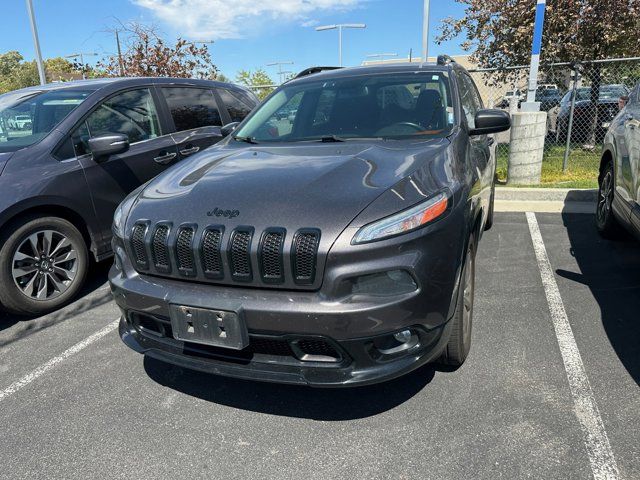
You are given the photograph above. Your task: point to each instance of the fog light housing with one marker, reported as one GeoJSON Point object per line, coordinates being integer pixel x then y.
{"type": "Point", "coordinates": [396, 343]}
{"type": "Point", "coordinates": [392, 282]}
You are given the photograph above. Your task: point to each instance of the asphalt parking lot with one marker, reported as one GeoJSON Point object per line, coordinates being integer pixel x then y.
{"type": "Point", "coordinates": [76, 403]}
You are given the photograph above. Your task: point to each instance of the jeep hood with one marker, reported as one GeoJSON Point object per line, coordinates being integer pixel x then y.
{"type": "Point", "coordinates": [322, 186]}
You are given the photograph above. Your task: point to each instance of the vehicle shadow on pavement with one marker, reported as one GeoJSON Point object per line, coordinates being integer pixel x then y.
{"type": "Point", "coordinates": [88, 298]}
{"type": "Point", "coordinates": [325, 404]}
{"type": "Point", "coordinates": [611, 270]}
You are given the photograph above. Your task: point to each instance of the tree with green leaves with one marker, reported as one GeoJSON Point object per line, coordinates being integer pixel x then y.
{"type": "Point", "coordinates": [498, 33]}
{"type": "Point", "coordinates": [15, 73]}
{"type": "Point", "coordinates": [258, 80]}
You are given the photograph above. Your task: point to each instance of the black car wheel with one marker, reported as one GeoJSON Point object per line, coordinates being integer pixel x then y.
{"type": "Point", "coordinates": [459, 342]}
{"type": "Point", "coordinates": [606, 222]}
{"type": "Point", "coordinates": [43, 264]}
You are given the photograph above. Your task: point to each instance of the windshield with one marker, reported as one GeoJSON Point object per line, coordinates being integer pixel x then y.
{"type": "Point", "coordinates": [607, 92]}
{"type": "Point", "coordinates": [26, 117]}
{"type": "Point", "coordinates": [387, 106]}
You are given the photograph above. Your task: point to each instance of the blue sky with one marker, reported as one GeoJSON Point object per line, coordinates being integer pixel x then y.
{"type": "Point", "coordinates": [248, 33]}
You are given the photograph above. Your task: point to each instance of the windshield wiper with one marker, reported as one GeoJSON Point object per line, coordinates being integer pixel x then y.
{"type": "Point", "coordinates": [238, 138]}
{"type": "Point", "coordinates": [331, 138]}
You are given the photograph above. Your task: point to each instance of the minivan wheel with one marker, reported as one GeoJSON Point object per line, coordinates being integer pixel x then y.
{"type": "Point", "coordinates": [43, 264]}
{"type": "Point", "coordinates": [606, 222]}
{"type": "Point", "coordinates": [459, 342]}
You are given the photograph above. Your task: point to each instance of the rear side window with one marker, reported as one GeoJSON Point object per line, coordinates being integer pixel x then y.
{"type": "Point", "coordinates": [237, 108]}
{"type": "Point", "coordinates": [192, 107]}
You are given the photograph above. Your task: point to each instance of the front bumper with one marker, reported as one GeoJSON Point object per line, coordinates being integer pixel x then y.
{"type": "Point", "coordinates": [351, 327]}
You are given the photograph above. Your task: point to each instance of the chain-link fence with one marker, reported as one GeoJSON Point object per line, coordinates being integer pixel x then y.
{"type": "Point", "coordinates": [580, 99]}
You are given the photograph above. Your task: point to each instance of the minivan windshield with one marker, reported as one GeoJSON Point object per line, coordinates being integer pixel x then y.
{"type": "Point", "coordinates": [385, 106]}
{"type": "Point", "coordinates": [27, 116]}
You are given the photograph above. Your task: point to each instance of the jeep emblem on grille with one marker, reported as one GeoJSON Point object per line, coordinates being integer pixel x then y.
{"type": "Point", "coordinates": [218, 212]}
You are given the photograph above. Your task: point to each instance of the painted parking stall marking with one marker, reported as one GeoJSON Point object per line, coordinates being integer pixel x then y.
{"type": "Point", "coordinates": [45, 367]}
{"type": "Point", "coordinates": [603, 463]}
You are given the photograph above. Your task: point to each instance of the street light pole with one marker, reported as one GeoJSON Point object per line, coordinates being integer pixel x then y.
{"type": "Point", "coordinates": [339, 27]}
{"type": "Point", "coordinates": [425, 32]}
{"type": "Point", "coordinates": [81, 55]}
{"type": "Point", "coordinates": [36, 43]}
{"type": "Point", "coordinates": [280, 71]}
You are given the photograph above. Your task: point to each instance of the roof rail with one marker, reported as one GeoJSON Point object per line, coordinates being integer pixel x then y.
{"type": "Point", "coordinates": [312, 70]}
{"type": "Point", "coordinates": [445, 60]}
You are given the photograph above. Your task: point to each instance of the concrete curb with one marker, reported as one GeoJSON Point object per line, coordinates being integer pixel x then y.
{"type": "Point", "coordinates": [545, 200]}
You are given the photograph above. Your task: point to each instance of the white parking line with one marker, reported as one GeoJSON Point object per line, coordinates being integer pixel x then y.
{"type": "Point", "coordinates": [45, 367]}
{"type": "Point", "coordinates": [603, 463]}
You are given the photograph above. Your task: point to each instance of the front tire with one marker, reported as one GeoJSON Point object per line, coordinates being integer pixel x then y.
{"type": "Point", "coordinates": [459, 344]}
{"type": "Point", "coordinates": [606, 222]}
{"type": "Point", "coordinates": [43, 265]}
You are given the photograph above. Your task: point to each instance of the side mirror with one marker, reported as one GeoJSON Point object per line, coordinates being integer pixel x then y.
{"type": "Point", "coordinates": [104, 146]}
{"type": "Point", "coordinates": [491, 121]}
{"type": "Point", "coordinates": [229, 128]}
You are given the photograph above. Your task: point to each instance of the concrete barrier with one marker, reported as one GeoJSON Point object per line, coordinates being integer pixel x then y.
{"type": "Point", "coordinates": [526, 147]}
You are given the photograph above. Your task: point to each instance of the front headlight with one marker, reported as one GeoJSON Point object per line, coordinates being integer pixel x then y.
{"type": "Point", "coordinates": [405, 221]}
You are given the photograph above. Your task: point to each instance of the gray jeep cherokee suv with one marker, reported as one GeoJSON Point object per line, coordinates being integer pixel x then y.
{"type": "Point", "coordinates": [334, 246]}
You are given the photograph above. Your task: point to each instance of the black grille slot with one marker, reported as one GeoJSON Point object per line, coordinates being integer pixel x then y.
{"type": "Point", "coordinates": [210, 252]}
{"type": "Point", "coordinates": [160, 248]}
{"type": "Point", "coordinates": [184, 250]}
{"type": "Point", "coordinates": [137, 242]}
{"type": "Point", "coordinates": [317, 347]}
{"type": "Point", "coordinates": [268, 346]}
{"type": "Point", "coordinates": [271, 255]}
{"type": "Point", "coordinates": [239, 253]}
{"type": "Point", "coordinates": [304, 253]}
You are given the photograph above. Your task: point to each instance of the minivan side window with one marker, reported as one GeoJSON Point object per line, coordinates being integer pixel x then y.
{"type": "Point", "coordinates": [237, 108]}
{"type": "Point", "coordinates": [132, 113]}
{"type": "Point", "coordinates": [192, 107]}
{"type": "Point", "coordinates": [469, 97]}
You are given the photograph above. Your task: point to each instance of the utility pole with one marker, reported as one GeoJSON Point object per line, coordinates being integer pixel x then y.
{"type": "Point", "coordinates": [120, 61]}
{"type": "Point", "coordinates": [339, 27]}
{"type": "Point", "coordinates": [425, 32]}
{"type": "Point", "coordinates": [36, 43]}
{"type": "Point", "coordinates": [281, 73]}
{"type": "Point", "coordinates": [531, 105]}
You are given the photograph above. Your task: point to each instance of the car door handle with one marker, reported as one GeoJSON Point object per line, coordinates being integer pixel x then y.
{"type": "Point", "coordinates": [164, 159]}
{"type": "Point", "coordinates": [189, 151]}
{"type": "Point", "coordinates": [491, 141]}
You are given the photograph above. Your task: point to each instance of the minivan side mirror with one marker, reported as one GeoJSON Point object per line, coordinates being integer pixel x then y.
{"type": "Point", "coordinates": [491, 120]}
{"type": "Point", "coordinates": [104, 146]}
{"type": "Point", "coordinates": [229, 128]}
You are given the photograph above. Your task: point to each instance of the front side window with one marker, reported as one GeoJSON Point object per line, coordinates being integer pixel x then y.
{"type": "Point", "coordinates": [192, 107]}
{"type": "Point", "coordinates": [389, 106]}
{"type": "Point", "coordinates": [28, 117]}
{"type": "Point", "coordinates": [469, 99]}
{"type": "Point", "coordinates": [132, 113]}
{"type": "Point", "coordinates": [237, 108]}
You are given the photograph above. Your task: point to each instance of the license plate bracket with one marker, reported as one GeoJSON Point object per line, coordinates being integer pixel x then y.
{"type": "Point", "coordinates": [218, 328]}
